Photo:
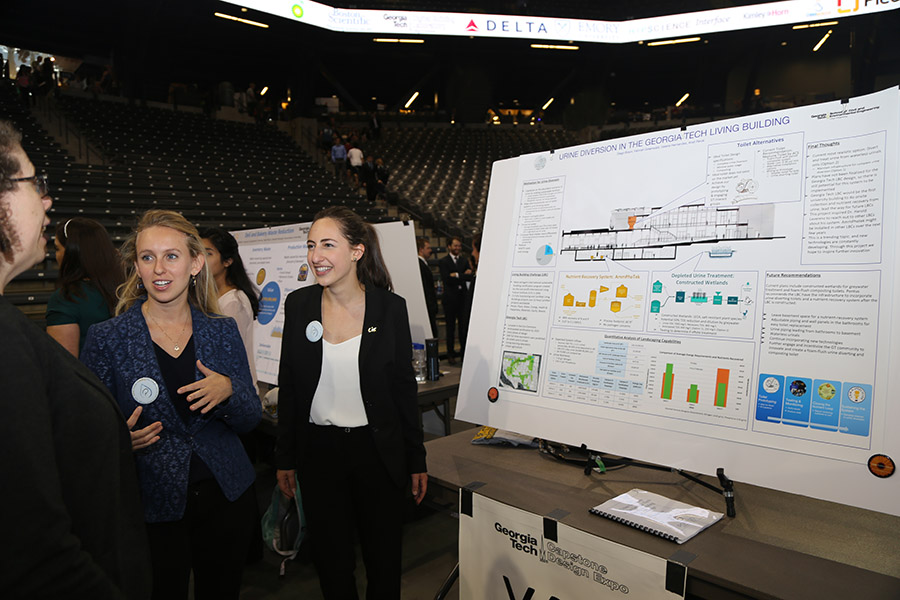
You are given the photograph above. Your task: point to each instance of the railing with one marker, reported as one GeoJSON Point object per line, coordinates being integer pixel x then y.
{"type": "Point", "coordinates": [66, 129]}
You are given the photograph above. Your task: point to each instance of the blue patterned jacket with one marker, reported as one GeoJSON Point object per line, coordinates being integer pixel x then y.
{"type": "Point", "coordinates": [120, 352]}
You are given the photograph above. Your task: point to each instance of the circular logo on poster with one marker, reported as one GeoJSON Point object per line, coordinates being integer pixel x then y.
{"type": "Point", "coordinates": [827, 391]}
{"type": "Point", "coordinates": [856, 394]}
{"type": "Point", "coordinates": [771, 385]}
{"type": "Point", "coordinates": [540, 162]}
{"type": "Point", "coordinates": [269, 299]}
{"type": "Point", "coordinates": [297, 10]}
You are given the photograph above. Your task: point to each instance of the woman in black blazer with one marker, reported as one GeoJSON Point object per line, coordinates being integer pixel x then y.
{"type": "Point", "coordinates": [348, 422]}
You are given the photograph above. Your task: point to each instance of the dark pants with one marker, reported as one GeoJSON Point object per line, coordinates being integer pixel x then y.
{"type": "Point", "coordinates": [371, 191]}
{"type": "Point", "coordinates": [348, 494]}
{"type": "Point", "coordinates": [340, 169]}
{"type": "Point", "coordinates": [212, 540]}
{"type": "Point", "coordinates": [456, 312]}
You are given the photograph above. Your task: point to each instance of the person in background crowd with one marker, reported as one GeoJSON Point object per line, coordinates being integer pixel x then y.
{"type": "Point", "coordinates": [89, 273]}
{"type": "Point", "coordinates": [355, 156]}
{"type": "Point", "coordinates": [374, 126]}
{"type": "Point", "coordinates": [70, 509]}
{"type": "Point", "coordinates": [456, 274]}
{"type": "Point", "coordinates": [339, 159]}
{"type": "Point", "coordinates": [348, 422]}
{"type": "Point", "coordinates": [382, 174]}
{"type": "Point", "coordinates": [181, 373]}
{"type": "Point", "coordinates": [423, 247]}
{"type": "Point", "coordinates": [473, 266]}
{"type": "Point", "coordinates": [369, 177]}
{"type": "Point", "coordinates": [238, 297]}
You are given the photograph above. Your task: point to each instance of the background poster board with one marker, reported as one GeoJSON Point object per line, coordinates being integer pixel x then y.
{"type": "Point", "coordinates": [275, 259]}
{"type": "Point", "coordinates": [717, 296]}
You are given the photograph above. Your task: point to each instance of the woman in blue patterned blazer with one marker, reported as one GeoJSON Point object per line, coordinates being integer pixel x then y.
{"type": "Point", "coordinates": [181, 373]}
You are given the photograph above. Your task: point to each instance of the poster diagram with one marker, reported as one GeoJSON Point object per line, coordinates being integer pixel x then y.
{"type": "Point", "coordinates": [722, 295]}
{"type": "Point", "coordinates": [645, 234]}
{"type": "Point", "coordinates": [608, 300]}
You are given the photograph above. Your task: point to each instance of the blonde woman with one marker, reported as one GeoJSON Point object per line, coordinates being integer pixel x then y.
{"type": "Point", "coordinates": [180, 372]}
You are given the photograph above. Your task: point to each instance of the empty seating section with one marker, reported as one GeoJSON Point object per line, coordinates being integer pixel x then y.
{"type": "Point", "coordinates": [242, 176]}
{"type": "Point", "coordinates": [235, 175]}
{"type": "Point", "coordinates": [444, 173]}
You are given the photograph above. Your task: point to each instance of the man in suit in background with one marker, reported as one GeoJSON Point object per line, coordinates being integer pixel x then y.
{"type": "Point", "coordinates": [456, 274]}
{"type": "Point", "coordinates": [424, 250]}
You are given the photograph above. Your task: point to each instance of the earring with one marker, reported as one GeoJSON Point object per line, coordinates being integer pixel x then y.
{"type": "Point", "coordinates": [193, 281]}
{"type": "Point", "coordinates": [140, 285]}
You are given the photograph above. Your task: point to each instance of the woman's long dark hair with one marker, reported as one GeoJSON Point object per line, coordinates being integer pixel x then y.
{"type": "Point", "coordinates": [370, 269]}
{"type": "Point", "coordinates": [235, 274]}
{"type": "Point", "coordinates": [89, 254]}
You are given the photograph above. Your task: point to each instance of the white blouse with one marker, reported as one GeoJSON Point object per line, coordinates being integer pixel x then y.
{"type": "Point", "coordinates": [338, 399]}
{"type": "Point", "coordinates": [234, 303]}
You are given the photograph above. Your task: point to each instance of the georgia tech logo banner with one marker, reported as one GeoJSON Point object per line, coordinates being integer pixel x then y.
{"type": "Point", "coordinates": [504, 553]}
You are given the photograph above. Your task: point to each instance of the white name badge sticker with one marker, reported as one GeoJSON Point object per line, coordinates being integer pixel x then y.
{"type": "Point", "coordinates": [314, 331]}
{"type": "Point", "coordinates": [144, 390]}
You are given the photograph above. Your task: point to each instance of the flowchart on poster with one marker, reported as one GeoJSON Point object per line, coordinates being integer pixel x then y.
{"type": "Point", "coordinates": [716, 296]}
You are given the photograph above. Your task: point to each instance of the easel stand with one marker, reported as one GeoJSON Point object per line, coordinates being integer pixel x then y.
{"type": "Point", "coordinates": [595, 460]}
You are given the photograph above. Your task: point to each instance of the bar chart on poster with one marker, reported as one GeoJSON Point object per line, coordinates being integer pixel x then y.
{"type": "Point", "coordinates": [720, 295]}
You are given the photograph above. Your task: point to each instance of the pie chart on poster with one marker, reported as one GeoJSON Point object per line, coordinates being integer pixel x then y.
{"type": "Point", "coordinates": [544, 255]}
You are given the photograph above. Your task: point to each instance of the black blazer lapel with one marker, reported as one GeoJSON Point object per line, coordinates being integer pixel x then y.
{"type": "Point", "coordinates": [373, 331]}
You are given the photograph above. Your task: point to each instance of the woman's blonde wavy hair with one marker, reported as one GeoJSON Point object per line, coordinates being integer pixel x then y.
{"type": "Point", "coordinates": [203, 294]}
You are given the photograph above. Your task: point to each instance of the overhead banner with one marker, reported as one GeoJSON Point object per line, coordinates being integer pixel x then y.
{"type": "Point", "coordinates": [275, 259]}
{"type": "Point", "coordinates": [396, 22]}
{"type": "Point", "coordinates": [722, 295]}
{"type": "Point", "coordinates": [505, 552]}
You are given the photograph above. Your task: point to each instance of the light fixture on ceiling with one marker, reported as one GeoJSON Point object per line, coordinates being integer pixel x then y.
{"type": "Point", "coordinates": [822, 41]}
{"type": "Point", "coordinates": [676, 41]}
{"type": "Point", "coordinates": [683, 98]}
{"type": "Point", "coordinates": [547, 103]}
{"type": "Point", "coordinates": [240, 20]}
{"type": "Point", "coordinates": [398, 41]}
{"type": "Point", "coordinates": [553, 47]}
{"type": "Point", "coordinates": [808, 25]}
{"type": "Point", "coordinates": [411, 100]}
{"type": "Point", "coordinates": [264, 90]}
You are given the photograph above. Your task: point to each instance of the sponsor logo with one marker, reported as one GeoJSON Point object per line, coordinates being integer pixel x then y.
{"type": "Point", "coordinates": [399, 21]}
{"type": "Point", "coordinates": [472, 26]}
{"type": "Point", "coordinates": [844, 6]}
{"type": "Point", "coordinates": [516, 26]}
{"type": "Point", "coordinates": [347, 18]}
{"type": "Point", "coordinates": [297, 10]}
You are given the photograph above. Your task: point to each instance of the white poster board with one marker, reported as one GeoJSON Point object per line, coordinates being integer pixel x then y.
{"type": "Point", "coordinates": [504, 553]}
{"type": "Point", "coordinates": [717, 296]}
{"type": "Point", "coordinates": [275, 259]}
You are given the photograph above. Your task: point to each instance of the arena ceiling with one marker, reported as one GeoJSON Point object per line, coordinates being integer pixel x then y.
{"type": "Point", "coordinates": [154, 42]}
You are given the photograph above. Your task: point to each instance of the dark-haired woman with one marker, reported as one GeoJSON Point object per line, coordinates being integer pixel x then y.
{"type": "Point", "coordinates": [70, 512]}
{"type": "Point", "coordinates": [238, 297]}
{"type": "Point", "coordinates": [89, 273]}
{"type": "Point", "coordinates": [348, 427]}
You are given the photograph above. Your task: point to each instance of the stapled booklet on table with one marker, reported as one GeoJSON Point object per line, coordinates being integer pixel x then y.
{"type": "Point", "coordinates": [657, 514]}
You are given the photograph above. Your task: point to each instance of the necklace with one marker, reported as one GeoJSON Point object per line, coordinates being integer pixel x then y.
{"type": "Point", "coordinates": [177, 346]}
